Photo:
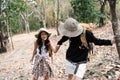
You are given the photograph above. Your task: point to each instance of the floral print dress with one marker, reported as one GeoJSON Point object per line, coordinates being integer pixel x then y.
{"type": "Point", "coordinates": [42, 64]}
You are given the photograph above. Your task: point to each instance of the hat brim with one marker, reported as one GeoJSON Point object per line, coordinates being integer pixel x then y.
{"type": "Point", "coordinates": [67, 33]}
{"type": "Point", "coordinates": [43, 30]}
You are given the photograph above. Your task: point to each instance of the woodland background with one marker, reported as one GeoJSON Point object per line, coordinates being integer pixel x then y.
{"type": "Point", "coordinates": [21, 19]}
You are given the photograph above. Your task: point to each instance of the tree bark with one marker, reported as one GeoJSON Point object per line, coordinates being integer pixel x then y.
{"type": "Point", "coordinates": [7, 24]}
{"type": "Point", "coordinates": [25, 18]}
{"type": "Point", "coordinates": [53, 14]}
{"type": "Point", "coordinates": [58, 10]}
{"type": "Point", "coordinates": [1, 42]}
{"type": "Point", "coordinates": [112, 4]}
{"type": "Point", "coordinates": [20, 23]}
{"type": "Point", "coordinates": [102, 10]}
{"type": "Point", "coordinates": [44, 13]}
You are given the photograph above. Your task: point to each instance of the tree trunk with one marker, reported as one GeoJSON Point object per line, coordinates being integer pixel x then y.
{"type": "Point", "coordinates": [25, 18]}
{"type": "Point", "coordinates": [112, 4]}
{"type": "Point", "coordinates": [9, 32]}
{"type": "Point", "coordinates": [102, 10]}
{"type": "Point", "coordinates": [53, 14]}
{"type": "Point", "coordinates": [58, 10]}
{"type": "Point", "coordinates": [20, 23]}
{"type": "Point", "coordinates": [1, 42]}
{"type": "Point", "coordinates": [44, 13]}
{"type": "Point", "coordinates": [7, 24]}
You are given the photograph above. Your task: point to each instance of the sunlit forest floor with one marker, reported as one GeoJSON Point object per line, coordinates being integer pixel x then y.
{"type": "Point", "coordinates": [104, 63]}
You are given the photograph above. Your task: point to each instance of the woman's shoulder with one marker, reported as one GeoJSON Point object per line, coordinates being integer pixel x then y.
{"type": "Point", "coordinates": [50, 42]}
{"type": "Point", "coordinates": [89, 33]}
{"type": "Point", "coordinates": [35, 43]}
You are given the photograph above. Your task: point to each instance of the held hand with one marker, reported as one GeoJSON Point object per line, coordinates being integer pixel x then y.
{"type": "Point", "coordinates": [31, 60]}
{"type": "Point", "coordinates": [56, 48]}
{"type": "Point", "coordinates": [113, 41]}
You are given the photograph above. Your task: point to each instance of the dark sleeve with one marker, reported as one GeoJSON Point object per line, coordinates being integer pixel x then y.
{"type": "Point", "coordinates": [63, 39]}
{"type": "Point", "coordinates": [91, 38]}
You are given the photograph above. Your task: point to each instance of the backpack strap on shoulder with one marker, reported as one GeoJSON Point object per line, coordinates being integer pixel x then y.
{"type": "Point", "coordinates": [83, 38]}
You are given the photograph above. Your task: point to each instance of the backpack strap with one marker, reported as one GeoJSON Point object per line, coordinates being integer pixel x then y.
{"type": "Point", "coordinates": [83, 38]}
{"type": "Point", "coordinates": [77, 66]}
{"type": "Point", "coordinates": [85, 43]}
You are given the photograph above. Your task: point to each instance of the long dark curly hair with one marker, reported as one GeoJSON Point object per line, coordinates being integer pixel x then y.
{"type": "Point", "coordinates": [47, 43]}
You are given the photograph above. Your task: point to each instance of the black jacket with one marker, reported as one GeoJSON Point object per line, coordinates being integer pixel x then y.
{"type": "Point", "coordinates": [74, 53]}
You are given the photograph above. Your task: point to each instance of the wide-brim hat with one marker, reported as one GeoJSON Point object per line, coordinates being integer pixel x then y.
{"type": "Point", "coordinates": [70, 28]}
{"type": "Point", "coordinates": [42, 30]}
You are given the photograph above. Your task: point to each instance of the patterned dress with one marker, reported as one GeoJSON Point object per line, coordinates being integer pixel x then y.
{"type": "Point", "coordinates": [42, 64]}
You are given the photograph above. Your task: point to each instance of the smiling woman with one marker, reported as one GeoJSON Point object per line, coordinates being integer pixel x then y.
{"type": "Point", "coordinates": [42, 53]}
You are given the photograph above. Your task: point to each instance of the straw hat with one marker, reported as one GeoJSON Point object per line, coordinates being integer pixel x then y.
{"type": "Point", "coordinates": [43, 30]}
{"type": "Point", "coordinates": [70, 28]}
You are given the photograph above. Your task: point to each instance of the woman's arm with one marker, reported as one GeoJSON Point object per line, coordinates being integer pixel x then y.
{"type": "Point", "coordinates": [51, 46]}
{"type": "Point", "coordinates": [54, 49]}
{"type": "Point", "coordinates": [97, 41]}
{"type": "Point", "coordinates": [34, 51]}
{"type": "Point", "coordinates": [60, 42]}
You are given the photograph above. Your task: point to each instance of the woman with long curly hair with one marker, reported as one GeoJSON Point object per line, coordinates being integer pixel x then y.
{"type": "Point", "coordinates": [42, 53]}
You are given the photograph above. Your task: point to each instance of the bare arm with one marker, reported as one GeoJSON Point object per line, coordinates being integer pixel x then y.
{"type": "Point", "coordinates": [113, 40]}
{"type": "Point", "coordinates": [34, 51]}
{"type": "Point", "coordinates": [56, 48]}
{"type": "Point", "coordinates": [62, 40]}
{"type": "Point", "coordinates": [51, 46]}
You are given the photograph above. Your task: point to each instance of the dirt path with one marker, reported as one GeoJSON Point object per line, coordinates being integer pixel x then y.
{"type": "Point", "coordinates": [14, 61]}
{"type": "Point", "coordinates": [15, 65]}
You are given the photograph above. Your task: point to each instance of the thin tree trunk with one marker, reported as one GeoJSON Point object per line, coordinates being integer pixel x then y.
{"type": "Point", "coordinates": [25, 18]}
{"type": "Point", "coordinates": [26, 23]}
{"type": "Point", "coordinates": [11, 39]}
{"type": "Point", "coordinates": [112, 4]}
{"type": "Point", "coordinates": [1, 42]}
{"type": "Point", "coordinates": [53, 14]}
{"type": "Point", "coordinates": [44, 13]}
{"type": "Point", "coordinates": [20, 23]}
{"type": "Point", "coordinates": [58, 10]}
{"type": "Point", "coordinates": [102, 9]}
{"type": "Point", "coordinates": [10, 32]}
{"type": "Point", "coordinates": [7, 24]}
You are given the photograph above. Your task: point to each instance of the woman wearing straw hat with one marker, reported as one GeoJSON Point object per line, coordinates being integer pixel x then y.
{"type": "Point", "coordinates": [42, 53]}
{"type": "Point", "coordinates": [76, 57]}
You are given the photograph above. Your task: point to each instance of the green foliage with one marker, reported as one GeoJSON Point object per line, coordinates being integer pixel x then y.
{"type": "Point", "coordinates": [14, 7]}
{"type": "Point", "coordinates": [35, 24]}
{"type": "Point", "coordinates": [84, 11]}
{"type": "Point", "coordinates": [12, 11]}
{"type": "Point", "coordinates": [14, 25]}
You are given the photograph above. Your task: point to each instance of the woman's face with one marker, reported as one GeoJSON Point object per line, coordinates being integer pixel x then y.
{"type": "Point", "coordinates": [44, 35]}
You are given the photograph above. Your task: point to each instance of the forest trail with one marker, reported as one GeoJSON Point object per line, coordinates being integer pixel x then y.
{"type": "Point", "coordinates": [12, 62]}
{"type": "Point", "coordinates": [15, 65]}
